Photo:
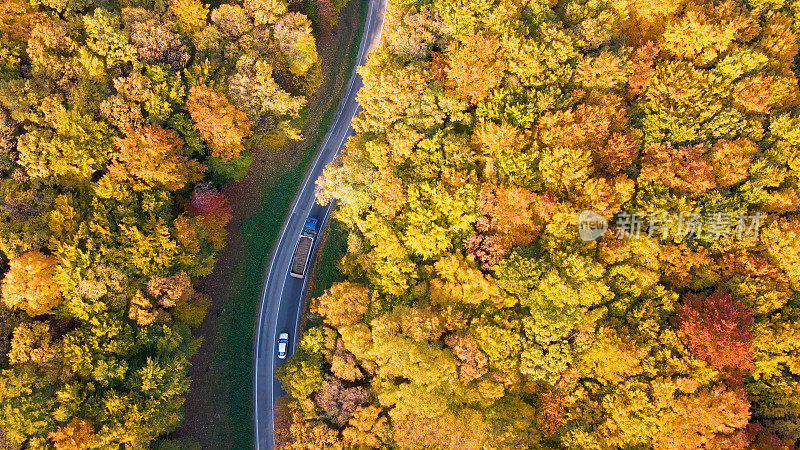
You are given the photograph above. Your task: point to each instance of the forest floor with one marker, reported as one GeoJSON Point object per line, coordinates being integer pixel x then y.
{"type": "Point", "coordinates": [218, 408]}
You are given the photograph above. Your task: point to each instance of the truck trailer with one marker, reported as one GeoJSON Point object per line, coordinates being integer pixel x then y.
{"type": "Point", "coordinates": [302, 252]}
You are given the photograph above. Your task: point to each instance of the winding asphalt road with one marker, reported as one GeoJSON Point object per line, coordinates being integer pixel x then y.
{"type": "Point", "coordinates": [281, 300]}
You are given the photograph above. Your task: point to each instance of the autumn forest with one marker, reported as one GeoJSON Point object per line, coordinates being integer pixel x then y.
{"type": "Point", "coordinates": [569, 223]}
{"type": "Point", "coordinates": [119, 121]}
{"type": "Point", "coordinates": [472, 315]}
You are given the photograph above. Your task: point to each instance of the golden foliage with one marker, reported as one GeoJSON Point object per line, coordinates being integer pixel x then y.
{"type": "Point", "coordinates": [474, 66]}
{"type": "Point", "coordinates": [28, 285]}
{"type": "Point", "coordinates": [220, 124]}
{"type": "Point", "coordinates": [151, 157]}
{"type": "Point", "coordinates": [191, 15]}
{"type": "Point", "coordinates": [78, 434]}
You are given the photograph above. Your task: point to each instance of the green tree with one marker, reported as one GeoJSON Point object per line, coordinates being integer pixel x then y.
{"type": "Point", "coordinates": [106, 38]}
{"type": "Point", "coordinates": [71, 148]}
{"type": "Point", "coordinates": [255, 91]}
{"type": "Point", "coordinates": [27, 400]}
{"type": "Point", "coordinates": [296, 42]}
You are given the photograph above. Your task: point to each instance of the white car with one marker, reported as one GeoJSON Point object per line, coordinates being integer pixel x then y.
{"type": "Point", "coordinates": [283, 343]}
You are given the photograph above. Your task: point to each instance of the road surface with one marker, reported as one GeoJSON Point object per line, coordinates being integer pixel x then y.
{"type": "Point", "coordinates": [282, 296]}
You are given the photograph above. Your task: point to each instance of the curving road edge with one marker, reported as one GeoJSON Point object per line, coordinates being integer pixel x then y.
{"type": "Point", "coordinates": [281, 300]}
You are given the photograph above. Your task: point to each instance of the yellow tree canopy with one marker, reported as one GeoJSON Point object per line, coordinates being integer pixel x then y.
{"type": "Point", "coordinates": [28, 284]}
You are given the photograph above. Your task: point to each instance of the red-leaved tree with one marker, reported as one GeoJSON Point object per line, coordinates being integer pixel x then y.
{"type": "Point", "coordinates": [551, 412]}
{"type": "Point", "coordinates": [207, 201]}
{"type": "Point", "coordinates": [716, 328]}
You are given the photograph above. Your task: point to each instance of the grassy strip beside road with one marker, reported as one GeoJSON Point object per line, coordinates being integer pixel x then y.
{"type": "Point", "coordinates": [332, 247]}
{"type": "Point", "coordinates": [230, 386]}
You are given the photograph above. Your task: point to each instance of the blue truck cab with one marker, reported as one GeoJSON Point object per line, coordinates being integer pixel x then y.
{"type": "Point", "coordinates": [310, 226]}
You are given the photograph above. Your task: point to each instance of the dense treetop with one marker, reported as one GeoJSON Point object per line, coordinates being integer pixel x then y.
{"type": "Point", "coordinates": [473, 315]}
{"type": "Point", "coordinates": [118, 121]}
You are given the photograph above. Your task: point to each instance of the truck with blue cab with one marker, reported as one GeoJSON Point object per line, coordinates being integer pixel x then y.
{"type": "Point", "coordinates": [302, 253]}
